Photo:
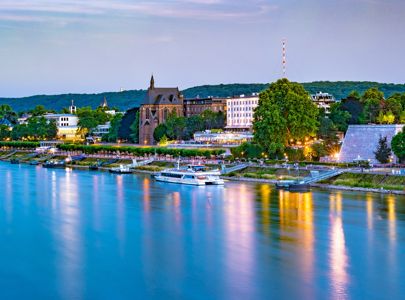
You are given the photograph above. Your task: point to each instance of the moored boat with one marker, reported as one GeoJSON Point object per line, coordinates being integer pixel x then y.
{"type": "Point", "coordinates": [192, 175]}
{"type": "Point", "coordinates": [14, 161]}
{"type": "Point", "coordinates": [121, 170]}
{"type": "Point", "coordinates": [54, 164]}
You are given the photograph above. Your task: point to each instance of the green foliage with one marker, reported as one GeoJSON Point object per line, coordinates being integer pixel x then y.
{"type": "Point", "coordinates": [37, 128]}
{"type": "Point", "coordinates": [339, 117]}
{"type": "Point", "coordinates": [295, 154]}
{"type": "Point", "coordinates": [128, 99]}
{"type": "Point", "coordinates": [134, 136]}
{"type": "Point", "coordinates": [285, 112]}
{"type": "Point", "coordinates": [6, 112]}
{"type": "Point", "coordinates": [20, 145]}
{"type": "Point", "coordinates": [398, 145]}
{"type": "Point", "coordinates": [125, 131]}
{"type": "Point", "coordinates": [5, 132]}
{"type": "Point", "coordinates": [112, 134]}
{"type": "Point", "coordinates": [383, 152]}
{"type": "Point", "coordinates": [183, 128]}
{"type": "Point", "coordinates": [141, 151]}
{"type": "Point", "coordinates": [38, 110]}
{"type": "Point", "coordinates": [247, 150]}
{"type": "Point", "coordinates": [159, 132]}
{"type": "Point", "coordinates": [354, 107]}
{"type": "Point", "coordinates": [163, 141]}
{"type": "Point", "coordinates": [90, 119]}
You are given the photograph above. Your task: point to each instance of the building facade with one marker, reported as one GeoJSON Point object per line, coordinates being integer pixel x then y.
{"type": "Point", "coordinates": [67, 125]}
{"type": "Point", "coordinates": [197, 106]}
{"type": "Point", "coordinates": [240, 111]}
{"type": "Point", "coordinates": [158, 104]}
{"type": "Point", "coordinates": [323, 101]}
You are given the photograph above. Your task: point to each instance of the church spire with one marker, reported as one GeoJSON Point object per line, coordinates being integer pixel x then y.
{"type": "Point", "coordinates": [152, 82]}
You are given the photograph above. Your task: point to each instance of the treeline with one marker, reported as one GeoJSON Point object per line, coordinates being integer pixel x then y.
{"type": "Point", "coordinates": [141, 151]}
{"type": "Point", "coordinates": [129, 99]}
{"type": "Point", "coordinates": [183, 128]}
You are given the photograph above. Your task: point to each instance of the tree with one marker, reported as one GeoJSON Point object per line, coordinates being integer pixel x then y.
{"type": "Point", "coordinates": [353, 106]}
{"type": "Point", "coordinates": [134, 128]}
{"type": "Point", "coordinates": [112, 134]}
{"type": "Point", "coordinates": [89, 119]}
{"type": "Point", "coordinates": [5, 132]}
{"type": "Point", "coordinates": [393, 105]}
{"type": "Point", "coordinates": [383, 152]}
{"type": "Point", "coordinates": [38, 110]}
{"type": "Point", "coordinates": [385, 118]}
{"type": "Point", "coordinates": [373, 101]}
{"type": "Point", "coordinates": [37, 128]}
{"type": "Point", "coordinates": [285, 112]}
{"type": "Point", "coordinates": [339, 117]}
{"type": "Point", "coordinates": [6, 112]}
{"type": "Point", "coordinates": [398, 145]}
{"type": "Point", "coordinates": [159, 132]}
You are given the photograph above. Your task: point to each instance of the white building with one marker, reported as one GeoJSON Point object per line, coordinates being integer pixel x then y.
{"type": "Point", "coordinates": [67, 125]}
{"type": "Point", "coordinates": [240, 112]}
{"type": "Point", "coordinates": [222, 138]}
{"type": "Point", "coordinates": [323, 100]}
{"type": "Point", "coordinates": [101, 130]}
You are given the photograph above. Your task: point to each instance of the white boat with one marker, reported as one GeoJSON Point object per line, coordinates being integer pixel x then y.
{"type": "Point", "coordinates": [121, 170]}
{"type": "Point", "coordinates": [192, 174]}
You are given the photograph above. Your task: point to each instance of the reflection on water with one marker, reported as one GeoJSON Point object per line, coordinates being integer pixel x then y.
{"type": "Point", "coordinates": [106, 236]}
{"type": "Point", "coordinates": [337, 253]}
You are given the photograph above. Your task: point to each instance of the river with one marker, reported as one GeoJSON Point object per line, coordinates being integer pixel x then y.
{"type": "Point", "coordinates": [89, 235]}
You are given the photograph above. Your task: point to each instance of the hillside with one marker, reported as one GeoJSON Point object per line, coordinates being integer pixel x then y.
{"type": "Point", "coordinates": [129, 99]}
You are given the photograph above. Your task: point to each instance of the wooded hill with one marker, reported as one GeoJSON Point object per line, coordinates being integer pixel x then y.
{"type": "Point", "coordinates": [129, 99]}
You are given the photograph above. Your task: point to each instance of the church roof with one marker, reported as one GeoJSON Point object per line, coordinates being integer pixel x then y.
{"type": "Point", "coordinates": [162, 95]}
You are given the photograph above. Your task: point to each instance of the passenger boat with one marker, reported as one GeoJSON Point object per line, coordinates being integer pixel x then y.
{"type": "Point", "coordinates": [121, 170]}
{"type": "Point", "coordinates": [192, 174]}
{"type": "Point", "coordinates": [54, 164]}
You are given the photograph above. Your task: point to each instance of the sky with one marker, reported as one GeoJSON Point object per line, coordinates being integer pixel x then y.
{"type": "Point", "coordinates": [91, 46]}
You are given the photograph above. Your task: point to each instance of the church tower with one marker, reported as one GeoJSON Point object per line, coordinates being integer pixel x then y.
{"type": "Point", "coordinates": [152, 83]}
{"type": "Point", "coordinates": [73, 108]}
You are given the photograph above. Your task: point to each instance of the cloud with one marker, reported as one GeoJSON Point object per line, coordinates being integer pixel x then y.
{"type": "Point", "coordinates": [40, 10]}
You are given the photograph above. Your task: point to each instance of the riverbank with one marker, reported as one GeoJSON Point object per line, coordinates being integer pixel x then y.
{"type": "Point", "coordinates": [386, 184]}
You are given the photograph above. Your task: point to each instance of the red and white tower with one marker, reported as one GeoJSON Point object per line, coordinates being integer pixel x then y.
{"type": "Point", "coordinates": [284, 58]}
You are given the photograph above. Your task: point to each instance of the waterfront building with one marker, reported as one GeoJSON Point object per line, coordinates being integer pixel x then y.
{"type": "Point", "coordinates": [196, 106]}
{"type": "Point", "coordinates": [222, 138]}
{"type": "Point", "coordinates": [323, 101]}
{"type": "Point", "coordinates": [240, 111]}
{"type": "Point", "coordinates": [67, 125]}
{"type": "Point", "coordinates": [158, 104]}
{"type": "Point", "coordinates": [361, 141]}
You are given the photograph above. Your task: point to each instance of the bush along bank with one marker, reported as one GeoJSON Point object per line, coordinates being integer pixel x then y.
{"type": "Point", "coordinates": [370, 181]}
{"type": "Point", "coordinates": [141, 151]}
{"type": "Point", "coordinates": [19, 145]}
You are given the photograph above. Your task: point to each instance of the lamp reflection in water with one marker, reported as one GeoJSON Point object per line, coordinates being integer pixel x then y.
{"type": "Point", "coordinates": [370, 212]}
{"type": "Point", "coordinates": [239, 225]}
{"type": "Point", "coordinates": [146, 194]}
{"type": "Point", "coordinates": [297, 226]}
{"type": "Point", "coordinates": [65, 197]}
{"type": "Point", "coordinates": [338, 259]}
{"type": "Point", "coordinates": [120, 207]}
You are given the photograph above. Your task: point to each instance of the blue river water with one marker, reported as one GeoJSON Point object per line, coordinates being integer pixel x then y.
{"type": "Point", "coordinates": [88, 235]}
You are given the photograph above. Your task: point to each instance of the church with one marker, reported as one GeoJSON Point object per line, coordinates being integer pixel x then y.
{"type": "Point", "coordinates": [158, 104]}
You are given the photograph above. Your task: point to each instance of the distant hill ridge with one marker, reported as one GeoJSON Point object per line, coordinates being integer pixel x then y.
{"type": "Point", "coordinates": [129, 99]}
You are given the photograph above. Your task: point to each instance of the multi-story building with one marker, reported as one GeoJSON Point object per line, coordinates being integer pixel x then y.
{"type": "Point", "coordinates": [159, 103]}
{"type": "Point", "coordinates": [323, 101]}
{"type": "Point", "coordinates": [240, 111]}
{"type": "Point", "coordinates": [197, 106]}
{"type": "Point", "coordinates": [67, 125]}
